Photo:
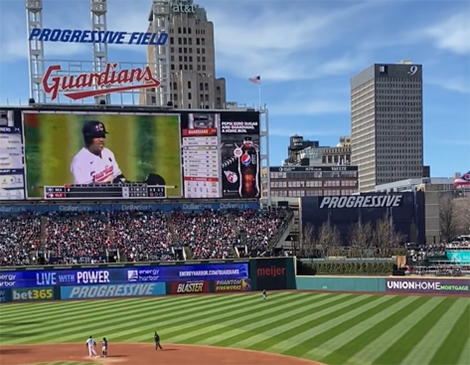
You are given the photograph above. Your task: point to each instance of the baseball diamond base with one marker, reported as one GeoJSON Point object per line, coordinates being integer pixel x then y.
{"type": "Point", "coordinates": [142, 354]}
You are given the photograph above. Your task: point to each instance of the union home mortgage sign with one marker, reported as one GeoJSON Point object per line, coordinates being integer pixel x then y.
{"type": "Point", "coordinates": [111, 80]}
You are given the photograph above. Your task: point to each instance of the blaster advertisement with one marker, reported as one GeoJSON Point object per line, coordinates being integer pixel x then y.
{"type": "Point", "coordinates": [233, 285]}
{"type": "Point", "coordinates": [190, 287]}
{"type": "Point", "coordinates": [428, 286]}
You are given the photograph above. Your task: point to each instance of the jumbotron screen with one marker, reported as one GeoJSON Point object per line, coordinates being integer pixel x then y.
{"type": "Point", "coordinates": [85, 155]}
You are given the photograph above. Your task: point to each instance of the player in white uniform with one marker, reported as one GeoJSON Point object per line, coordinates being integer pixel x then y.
{"type": "Point", "coordinates": [94, 163]}
{"type": "Point", "coordinates": [91, 344]}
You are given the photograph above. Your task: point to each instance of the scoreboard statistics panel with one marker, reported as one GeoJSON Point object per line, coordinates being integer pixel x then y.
{"type": "Point", "coordinates": [193, 154]}
{"type": "Point", "coordinates": [11, 156]}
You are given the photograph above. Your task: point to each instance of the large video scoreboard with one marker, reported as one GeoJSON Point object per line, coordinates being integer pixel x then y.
{"type": "Point", "coordinates": [45, 154]}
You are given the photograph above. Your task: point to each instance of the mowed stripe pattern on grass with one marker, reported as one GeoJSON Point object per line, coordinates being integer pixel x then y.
{"type": "Point", "coordinates": [331, 328]}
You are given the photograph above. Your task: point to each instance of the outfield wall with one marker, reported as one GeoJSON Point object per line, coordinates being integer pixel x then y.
{"type": "Point", "coordinates": [43, 283]}
{"type": "Point", "coordinates": [386, 285]}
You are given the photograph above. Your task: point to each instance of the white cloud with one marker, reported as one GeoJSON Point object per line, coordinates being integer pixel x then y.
{"type": "Point", "coordinates": [288, 44]}
{"type": "Point", "coordinates": [452, 34]}
{"type": "Point", "coordinates": [310, 107]}
{"type": "Point", "coordinates": [458, 84]}
{"type": "Point", "coordinates": [304, 132]}
{"type": "Point", "coordinates": [121, 16]}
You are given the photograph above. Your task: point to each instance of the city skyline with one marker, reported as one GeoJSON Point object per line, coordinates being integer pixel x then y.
{"type": "Point", "coordinates": [305, 75]}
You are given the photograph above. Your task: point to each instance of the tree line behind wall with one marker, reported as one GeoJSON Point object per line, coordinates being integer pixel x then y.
{"type": "Point", "coordinates": [454, 216]}
{"type": "Point", "coordinates": [363, 240]}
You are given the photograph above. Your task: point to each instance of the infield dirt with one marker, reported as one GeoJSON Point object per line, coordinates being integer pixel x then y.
{"type": "Point", "coordinates": [143, 354]}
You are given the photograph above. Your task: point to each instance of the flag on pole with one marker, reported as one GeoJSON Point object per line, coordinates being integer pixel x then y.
{"type": "Point", "coordinates": [255, 80]}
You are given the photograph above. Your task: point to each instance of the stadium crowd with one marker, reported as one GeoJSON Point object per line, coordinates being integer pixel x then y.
{"type": "Point", "coordinates": [70, 237]}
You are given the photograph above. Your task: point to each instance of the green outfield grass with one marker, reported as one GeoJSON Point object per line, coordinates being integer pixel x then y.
{"type": "Point", "coordinates": [330, 328]}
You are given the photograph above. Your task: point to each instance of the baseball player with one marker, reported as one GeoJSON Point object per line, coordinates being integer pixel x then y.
{"type": "Point", "coordinates": [156, 337]}
{"type": "Point", "coordinates": [265, 295]}
{"type": "Point", "coordinates": [91, 344]}
{"type": "Point", "coordinates": [95, 163]}
{"type": "Point", "coordinates": [104, 347]}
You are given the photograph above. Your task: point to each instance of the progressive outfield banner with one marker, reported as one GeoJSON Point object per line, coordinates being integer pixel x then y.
{"type": "Point", "coordinates": [428, 286]}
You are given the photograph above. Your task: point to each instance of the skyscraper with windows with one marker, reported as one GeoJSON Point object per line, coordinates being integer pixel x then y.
{"type": "Point", "coordinates": [387, 123]}
{"type": "Point", "coordinates": [193, 82]}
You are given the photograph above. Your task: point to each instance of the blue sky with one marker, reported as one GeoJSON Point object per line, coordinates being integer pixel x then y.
{"type": "Point", "coordinates": [305, 51]}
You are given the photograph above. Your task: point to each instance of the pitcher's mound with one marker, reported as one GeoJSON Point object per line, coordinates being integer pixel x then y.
{"type": "Point", "coordinates": [142, 354]}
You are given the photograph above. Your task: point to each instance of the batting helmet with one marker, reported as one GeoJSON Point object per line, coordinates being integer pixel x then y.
{"type": "Point", "coordinates": [94, 129]}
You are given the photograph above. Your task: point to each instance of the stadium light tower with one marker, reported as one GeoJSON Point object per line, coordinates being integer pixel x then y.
{"type": "Point", "coordinates": [35, 51]}
{"type": "Point", "coordinates": [98, 10]}
{"type": "Point", "coordinates": [161, 23]}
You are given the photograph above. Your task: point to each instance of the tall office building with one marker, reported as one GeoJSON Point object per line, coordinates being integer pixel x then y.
{"type": "Point", "coordinates": [193, 83]}
{"type": "Point", "coordinates": [387, 123]}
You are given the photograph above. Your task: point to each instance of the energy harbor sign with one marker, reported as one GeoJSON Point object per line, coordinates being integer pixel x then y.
{"type": "Point", "coordinates": [361, 201]}
{"type": "Point", "coordinates": [105, 37]}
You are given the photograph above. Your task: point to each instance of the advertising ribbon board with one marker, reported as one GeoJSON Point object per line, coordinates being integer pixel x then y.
{"type": "Point", "coordinates": [32, 295]}
{"type": "Point", "coordinates": [190, 287]}
{"type": "Point", "coordinates": [428, 286]}
{"type": "Point", "coordinates": [233, 285]}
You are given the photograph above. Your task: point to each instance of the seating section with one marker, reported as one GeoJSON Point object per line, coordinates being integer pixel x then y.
{"type": "Point", "coordinates": [70, 237]}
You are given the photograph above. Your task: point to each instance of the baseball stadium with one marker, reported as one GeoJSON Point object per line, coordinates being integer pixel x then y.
{"type": "Point", "coordinates": [141, 221]}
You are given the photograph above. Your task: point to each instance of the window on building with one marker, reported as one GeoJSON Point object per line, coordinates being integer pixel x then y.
{"type": "Point", "coordinates": [180, 41]}
{"type": "Point", "coordinates": [203, 67]}
{"type": "Point", "coordinates": [184, 30]}
{"type": "Point", "coordinates": [189, 84]}
{"type": "Point", "coordinates": [189, 96]}
{"type": "Point", "coordinates": [203, 51]}
{"type": "Point", "coordinates": [201, 86]}
{"type": "Point", "coordinates": [198, 50]}
{"type": "Point", "coordinates": [203, 41]}
{"type": "Point", "coordinates": [172, 40]}
{"type": "Point", "coordinates": [172, 67]}
{"type": "Point", "coordinates": [190, 67]}
{"type": "Point", "coordinates": [179, 30]}
{"type": "Point", "coordinates": [185, 58]}
{"type": "Point", "coordinates": [198, 41]}
{"type": "Point", "coordinates": [199, 67]}
{"type": "Point", "coordinates": [206, 86]}
{"type": "Point", "coordinates": [190, 31]}
{"type": "Point", "coordinates": [180, 58]}
{"type": "Point", "coordinates": [203, 59]}
{"type": "Point", "coordinates": [185, 40]}
{"type": "Point", "coordinates": [185, 50]}
{"type": "Point", "coordinates": [181, 67]}
{"type": "Point", "coordinates": [190, 50]}
{"type": "Point", "coordinates": [175, 86]}
{"type": "Point", "coordinates": [172, 58]}
{"type": "Point", "coordinates": [189, 106]}
{"type": "Point", "coordinates": [172, 49]}
{"type": "Point", "coordinates": [186, 67]}
{"type": "Point", "coordinates": [190, 41]}
{"type": "Point", "coordinates": [190, 58]}
{"type": "Point", "coordinates": [175, 97]}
